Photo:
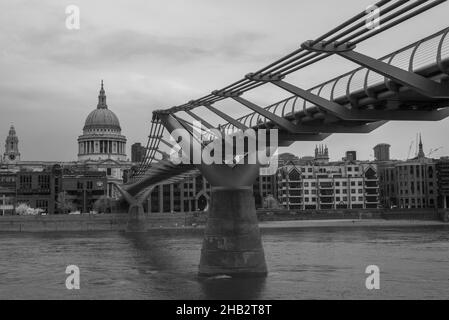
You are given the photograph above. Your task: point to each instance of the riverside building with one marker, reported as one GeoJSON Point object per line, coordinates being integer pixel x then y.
{"type": "Point", "coordinates": [332, 185]}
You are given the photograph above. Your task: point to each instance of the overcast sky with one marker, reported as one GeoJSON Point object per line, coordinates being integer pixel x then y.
{"type": "Point", "coordinates": [158, 53]}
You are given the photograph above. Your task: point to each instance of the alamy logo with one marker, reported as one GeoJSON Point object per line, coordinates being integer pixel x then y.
{"type": "Point", "coordinates": [213, 146]}
{"type": "Point", "coordinates": [73, 280]}
{"type": "Point", "coordinates": [72, 22]}
{"type": "Point", "coordinates": [373, 280]}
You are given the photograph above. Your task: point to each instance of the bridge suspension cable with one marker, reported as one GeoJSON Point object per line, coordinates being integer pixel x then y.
{"type": "Point", "coordinates": [354, 30]}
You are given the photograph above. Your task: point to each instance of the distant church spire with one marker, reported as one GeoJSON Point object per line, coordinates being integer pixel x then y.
{"type": "Point", "coordinates": [11, 147]}
{"type": "Point", "coordinates": [102, 98]}
{"type": "Point", "coordinates": [421, 151]}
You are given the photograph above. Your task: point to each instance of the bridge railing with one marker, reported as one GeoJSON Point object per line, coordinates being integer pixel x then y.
{"type": "Point", "coordinates": [432, 51]}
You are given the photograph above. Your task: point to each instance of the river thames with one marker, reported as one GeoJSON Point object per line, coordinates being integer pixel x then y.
{"type": "Point", "coordinates": [304, 263]}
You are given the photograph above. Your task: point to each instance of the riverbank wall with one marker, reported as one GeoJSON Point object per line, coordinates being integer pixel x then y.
{"type": "Point", "coordinates": [87, 222]}
{"type": "Point", "coordinates": [118, 222]}
{"type": "Point", "coordinates": [353, 214]}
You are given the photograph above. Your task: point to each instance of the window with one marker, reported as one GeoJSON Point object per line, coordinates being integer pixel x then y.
{"type": "Point", "coordinates": [109, 171]}
{"type": "Point", "coordinates": [25, 182]}
{"type": "Point", "coordinates": [294, 175]}
{"type": "Point", "coordinates": [360, 198]}
{"type": "Point", "coordinates": [43, 182]}
{"type": "Point", "coordinates": [89, 185]}
{"type": "Point", "coordinates": [42, 204]}
{"type": "Point", "coordinates": [352, 183]}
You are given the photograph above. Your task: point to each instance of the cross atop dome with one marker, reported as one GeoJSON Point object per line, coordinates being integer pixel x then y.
{"type": "Point", "coordinates": [102, 98]}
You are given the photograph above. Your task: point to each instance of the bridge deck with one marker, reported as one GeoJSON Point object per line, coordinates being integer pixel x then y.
{"type": "Point", "coordinates": [364, 89]}
{"type": "Point", "coordinates": [359, 89]}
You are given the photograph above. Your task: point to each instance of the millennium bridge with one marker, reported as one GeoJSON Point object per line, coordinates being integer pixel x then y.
{"type": "Point", "coordinates": [410, 84]}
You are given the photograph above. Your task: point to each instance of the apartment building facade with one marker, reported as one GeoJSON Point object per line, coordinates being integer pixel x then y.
{"type": "Point", "coordinates": [328, 186]}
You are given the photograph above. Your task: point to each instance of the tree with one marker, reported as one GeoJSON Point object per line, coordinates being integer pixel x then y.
{"type": "Point", "coordinates": [64, 204]}
{"type": "Point", "coordinates": [25, 210]}
{"type": "Point", "coordinates": [103, 204]}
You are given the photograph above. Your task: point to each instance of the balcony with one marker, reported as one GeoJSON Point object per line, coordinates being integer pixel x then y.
{"type": "Point", "coordinates": [326, 193]}
{"type": "Point", "coordinates": [371, 184]}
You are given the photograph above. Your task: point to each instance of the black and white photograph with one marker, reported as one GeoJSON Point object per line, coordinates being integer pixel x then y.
{"type": "Point", "coordinates": [224, 156]}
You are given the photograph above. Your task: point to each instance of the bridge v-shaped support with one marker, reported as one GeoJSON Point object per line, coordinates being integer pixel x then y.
{"type": "Point", "coordinates": [136, 214]}
{"type": "Point", "coordinates": [232, 244]}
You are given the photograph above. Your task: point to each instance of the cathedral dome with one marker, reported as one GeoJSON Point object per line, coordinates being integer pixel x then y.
{"type": "Point", "coordinates": [102, 137]}
{"type": "Point", "coordinates": [102, 117]}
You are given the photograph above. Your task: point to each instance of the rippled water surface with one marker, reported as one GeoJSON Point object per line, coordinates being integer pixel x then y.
{"type": "Point", "coordinates": [308, 263]}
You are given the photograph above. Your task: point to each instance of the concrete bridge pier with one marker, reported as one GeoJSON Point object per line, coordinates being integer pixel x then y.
{"type": "Point", "coordinates": [136, 218]}
{"type": "Point", "coordinates": [232, 244]}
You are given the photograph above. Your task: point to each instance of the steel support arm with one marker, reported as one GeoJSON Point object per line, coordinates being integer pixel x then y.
{"type": "Point", "coordinates": [302, 137]}
{"type": "Point", "coordinates": [412, 80]}
{"type": "Point", "coordinates": [406, 78]}
{"type": "Point", "coordinates": [168, 144]}
{"type": "Point", "coordinates": [338, 128]}
{"type": "Point", "coordinates": [229, 119]}
{"type": "Point", "coordinates": [279, 121]}
{"type": "Point", "coordinates": [364, 115]}
{"type": "Point", "coordinates": [162, 153]}
{"type": "Point", "coordinates": [329, 106]}
{"type": "Point", "coordinates": [197, 118]}
{"type": "Point", "coordinates": [402, 115]}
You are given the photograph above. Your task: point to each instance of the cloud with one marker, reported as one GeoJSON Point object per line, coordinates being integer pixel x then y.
{"type": "Point", "coordinates": [97, 48]}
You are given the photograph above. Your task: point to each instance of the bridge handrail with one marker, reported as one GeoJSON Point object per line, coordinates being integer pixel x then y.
{"type": "Point", "coordinates": [441, 36]}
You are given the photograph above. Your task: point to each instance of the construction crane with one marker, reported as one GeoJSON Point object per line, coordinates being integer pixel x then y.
{"type": "Point", "coordinates": [432, 151]}
{"type": "Point", "coordinates": [410, 149]}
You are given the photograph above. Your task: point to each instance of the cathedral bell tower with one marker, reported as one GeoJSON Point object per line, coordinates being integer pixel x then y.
{"type": "Point", "coordinates": [11, 154]}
